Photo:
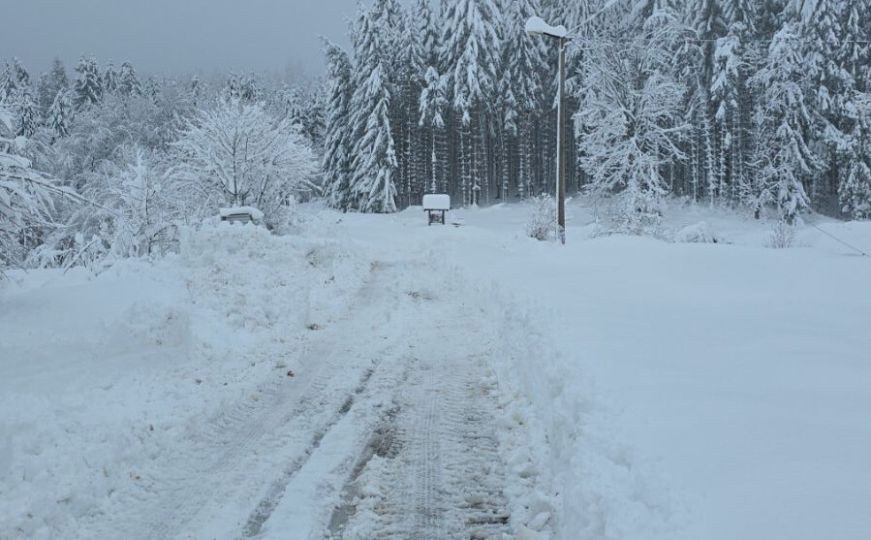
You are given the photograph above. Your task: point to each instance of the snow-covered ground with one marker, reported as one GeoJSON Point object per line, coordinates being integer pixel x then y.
{"type": "Point", "coordinates": [687, 390]}
{"type": "Point", "coordinates": [372, 375]}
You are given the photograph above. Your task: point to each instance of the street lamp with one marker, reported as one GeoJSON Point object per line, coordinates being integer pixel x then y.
{"type": "Point", "coordinates": [536, 26]}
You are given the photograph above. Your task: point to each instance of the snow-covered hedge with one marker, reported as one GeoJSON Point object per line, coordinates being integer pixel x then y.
{"type": "Point", "coordinates": [542, 220]}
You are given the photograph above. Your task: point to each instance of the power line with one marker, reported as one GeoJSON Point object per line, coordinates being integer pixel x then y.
{"type": "Point", "coordinates": [840, 241]}
{"type": "Point", "coordinates": [697, 40]}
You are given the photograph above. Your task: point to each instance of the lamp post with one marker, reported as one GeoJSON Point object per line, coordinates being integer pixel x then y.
{"type": "Point", "coordinates": [536, 26]}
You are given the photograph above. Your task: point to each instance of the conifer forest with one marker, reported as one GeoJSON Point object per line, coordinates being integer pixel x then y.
{"type": "Point", "coordinates": [435, 269]}
{"type": "Point", "coordinates": [759, 105]}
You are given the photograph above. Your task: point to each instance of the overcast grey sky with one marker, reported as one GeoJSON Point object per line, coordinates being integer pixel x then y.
{"type": "Point", "coordinates": [171, 36]}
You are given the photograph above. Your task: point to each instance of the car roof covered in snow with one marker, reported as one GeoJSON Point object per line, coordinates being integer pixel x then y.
{"type": "Point", "coordinates": [236, 210]}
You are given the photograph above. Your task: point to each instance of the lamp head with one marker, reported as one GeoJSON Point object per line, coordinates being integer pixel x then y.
{"type": "Point", "coordinates": [536, 26]}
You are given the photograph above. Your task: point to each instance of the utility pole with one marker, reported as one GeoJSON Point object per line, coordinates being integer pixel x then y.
{"type": "Point", "coordinates": [560, 146]}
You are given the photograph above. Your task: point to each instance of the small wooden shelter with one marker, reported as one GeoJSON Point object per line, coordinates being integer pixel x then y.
{"type": "Point", "coordinates": [436, 206]}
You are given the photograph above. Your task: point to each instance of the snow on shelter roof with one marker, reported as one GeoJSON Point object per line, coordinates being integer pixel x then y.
{"type": "Point", "coordinates": [249, 210]}
{"type": "Point", "coordinates": [436, 202]}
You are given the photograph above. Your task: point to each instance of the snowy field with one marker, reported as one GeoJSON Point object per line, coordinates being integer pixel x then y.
{"type": "Point", "coordinates": [333, 382]}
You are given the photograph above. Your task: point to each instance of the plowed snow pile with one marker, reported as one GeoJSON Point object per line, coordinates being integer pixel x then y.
{"type": "Point", "coordinates": [104, 379]}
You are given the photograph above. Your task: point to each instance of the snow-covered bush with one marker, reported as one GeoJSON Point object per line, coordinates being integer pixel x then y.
{"type": "Point", "coordinates": [697, 233]}
{"type": "Point", "coordinates": [638, 210]}
{"type": "Point", "coordinates": [782, 235]}
{"type": "Point", "coordinates": [26, 196]}
{"type": "Point", "coordinates": [542, 220]}
{"type": "Point", "coordinates": [141, 201]}
{"type": "Point", "coordinates": [134, 210]}
{"type": "Point", "coordinates": [236, 154]}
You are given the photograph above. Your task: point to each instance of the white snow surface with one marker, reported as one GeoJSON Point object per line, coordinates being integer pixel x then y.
{"type": "Point", "coordinates": [637, 388]}
{"type": "Point", "coordinates": [436, 201]}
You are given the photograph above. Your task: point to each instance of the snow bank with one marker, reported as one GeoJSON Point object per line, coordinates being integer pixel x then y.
{"type": "Point", "coordinates": [697, 233]}
{"type": "Point", "coordinates": [103, 379]}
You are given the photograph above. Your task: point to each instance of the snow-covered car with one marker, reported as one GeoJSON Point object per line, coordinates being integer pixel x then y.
{"type": "Point", "coordinates": [242, 214]}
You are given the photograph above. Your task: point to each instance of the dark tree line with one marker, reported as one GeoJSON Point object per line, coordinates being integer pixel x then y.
{"type": "Point", "coordinates": [751, 103]}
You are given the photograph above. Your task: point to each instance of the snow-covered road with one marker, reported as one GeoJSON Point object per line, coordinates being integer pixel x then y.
{"type": "Point", "coordinates": [384, 425]}
{"type": "Point", "coordinates": [372, 377]}
{"type": "Point", "coordinates": [408, 450]}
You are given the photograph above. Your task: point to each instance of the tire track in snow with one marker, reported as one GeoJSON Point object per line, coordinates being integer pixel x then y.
{"type": "Point", "coordinates": [268, 504]}
{"type": "Point", "coordinates": [288, 417]}
{"type": "Point", "coordinates": [442, 476]}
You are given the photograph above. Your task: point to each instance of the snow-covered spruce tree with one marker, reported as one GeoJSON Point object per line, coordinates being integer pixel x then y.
{"type": "Point", "coordinates": [855, 58]}
{"type": "Point", "coordinates": [237, 154]}
{"type": "Point", "coordinates": [13, 81]}
{"type": "Point", "coordinates": [374, 165]}
{"type": "Point", "coordinates": [304, 107]}
{"type": "Point", "coordinates": [630, 121]}
{"type": "Point", "coordinates": [89, 84]}
{"type": "Point", "coordinates": [151, 89]}
{"type": "Point", "coordinates": [110, 79]}
{"type": "Point", "coordinates": [128, 82]}
{"type": "Point", "coordinates": [374, 158]}
{"type": "Point", "coordinates": [855, 53]}
{"type": "Point", "coordinates": [734, 56]}
{"type": "Point", "coordinates": [337, 140]}
{"type": "Point", "coordinates": [50, 85]}
{"type": "Point", "coordinates": [294, 103]}
{"type": "Point", "coordinates": [411, 157]}
{"type": "Point", "coordinates": [470, 48]}
{"type": "Point", "coordinates": [706, 19]}
{"type": "Point", "coordinates": [27, 115]}
{"type": "Point", "coordinates": [820, 31]}
{"type": "Point", "coordinates": [313, 124]}
{"type": "Point", "coordinates": [400, 47]}
{"type": "Point", "coordinates": [855, 191]}
{"type": "Point", "coordinates": [194, 91]}
{"type": "Point", "coordinates": [60, 115]}
{"type": "Point", "coordinates": [242, 87]}
{"type": "Point", "coordinates": [729, 95]}
{"type": "Point", "coordinates": [784, 121]}
{"type": "Point", "coordinates": [433, 104]}
{"type": "Point", "coordinates": [522, 84]}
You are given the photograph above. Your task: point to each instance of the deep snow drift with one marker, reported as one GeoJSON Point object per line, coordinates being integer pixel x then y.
{"type": "Point", "coordinates": [646, 388]}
